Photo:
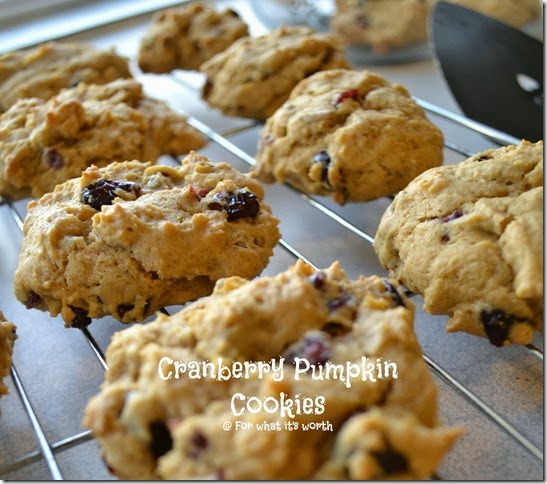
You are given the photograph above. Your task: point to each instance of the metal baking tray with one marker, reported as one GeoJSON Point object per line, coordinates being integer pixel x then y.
{"type": "Point", "coordinates": [497, 394]}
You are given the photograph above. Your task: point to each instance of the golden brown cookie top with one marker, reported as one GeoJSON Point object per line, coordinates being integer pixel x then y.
{"type": "Point", "coordinates": [349, 134]}
{"type": "Point", "coordinates": [131, 237]}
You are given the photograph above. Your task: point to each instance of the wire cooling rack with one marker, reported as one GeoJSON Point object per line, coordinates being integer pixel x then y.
{"type": "Point", "coordinates": [497, 394]}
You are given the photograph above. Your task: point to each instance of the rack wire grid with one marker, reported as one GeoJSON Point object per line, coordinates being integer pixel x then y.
{"type": "Point", "coordinates": [497, 394]}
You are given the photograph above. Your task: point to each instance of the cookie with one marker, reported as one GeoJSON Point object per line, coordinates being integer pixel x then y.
{"type": "Point", "coordinates": [349, 134]}
{"type": "Point", "coordinates": [255, 75]}
{"type": "Point", "coordinates": [155, 418]}
{"type": "Point", "coordinates": [44, 143]}
{"type": "Point", "coordinates": [130, 238]}
{"type": "Point", "coordinates": [381, 24]}
{"type": "Point", "coordinates": [387, 24]}
{"type": "Point", "coordinates": [187, 36]}
{"type": "Point", "coordinates": [7, 340]}
{"type": "Point", "coordinates": [469, 237]}
{"type": "Point", "coordinates": [43, 71]}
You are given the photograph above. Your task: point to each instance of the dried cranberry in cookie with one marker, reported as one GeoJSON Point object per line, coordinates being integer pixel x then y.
{"type": "Point", "coordinates": [238, 204]}
{"type": "Point", "coordinates": [103, 192]}
{"type": "Point", "coordinates": [314, 347]}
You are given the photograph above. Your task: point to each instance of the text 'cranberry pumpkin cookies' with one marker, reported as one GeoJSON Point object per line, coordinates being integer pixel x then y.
{"type": "Point", "coordinates": [187, 36]}
{"type": "Point", "coordinates": [43, 143]}
{"type": "Point", "coordinates": [255, 75]}
{"type": "Point", "coordinates": [349, 134]}
{"type": "Point", "coordinates": [130, 238]}
{"type": "Point", "coordinates": [159, 416]}
{"type": "Point", "coordinates": [43, 71]}
{"type": "Point", "coordinates": [469, 237]}
{"type": "Point", "coordinates": [7, 340]}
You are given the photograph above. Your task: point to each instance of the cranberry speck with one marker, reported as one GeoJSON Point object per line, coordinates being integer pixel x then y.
{"type": "Point", "coordinates": [314, 347]}
{"type": "Point", "coordinates": [339, 302]}
{"type": "Point", "coordinates": [394, 293]}
{"type": "Point", "coordinates": [199, 440]}
{"type": "Point", "coordinates": [391, 461]}
{"type": "Point", "coordinates": [324, 158]}
{"type": "Point", "coordinates": [352, 94]}
{"type": "Point", "coordinates": [497, 324]}
{"type": "Point", "coordinates": [453, 216]}
{"type": "Point", "coordinates": [81, 320]}
{"type": "Point", "coordinates": [34, 301]}
{"type": "Point", "coordinates": [53, 158]}
{"type": "Point", "coordinates": [161, 442]}
{"type": "Point", "coordinates": [242, 204]}
{"type": "Point", "coordinates": [122, 309]}
{"type": "Point", "coordinates": [318, 279]}
{"type": "Point", "coordinates": [362, 20]}
{"type": "Point", "coordinates": [199, 193]}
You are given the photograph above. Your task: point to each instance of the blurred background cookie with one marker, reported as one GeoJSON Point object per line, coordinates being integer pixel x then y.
{"type": "Point", "coordinates": [43, 143]}
{"type": "Point", "coordinates": [255, 75]}
{"type": "Point", "coordinates": [187, 36]}
{"type": "Point", "coordinates": [388, 25]}
{"type": "Point", "coordinates": [43, 71]}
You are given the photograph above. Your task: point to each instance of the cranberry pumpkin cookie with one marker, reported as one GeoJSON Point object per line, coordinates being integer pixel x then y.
{"type": "Point", "coordinates": [127, 239]}
{"type": "Point", "coordinates": [269, 419]}
{"type": "Point", "coordinates": [43, 71]}
{"type": "Point", "coordinates": [349, 134]}
{"type": "Point", "coordinates": [387, 24]}
{"type": "Point", "coordinates": [255, 75]}
{"type": "Point", "coordinates": [187, 36]}
{"type": "Point", "coordinates": [43, 143]}
{"type": "Point", "coordinates": [381, 24]}
{"type": "Point", "coordinates": [469, 237]}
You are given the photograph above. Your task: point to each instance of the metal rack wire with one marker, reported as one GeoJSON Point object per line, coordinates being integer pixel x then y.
{"type": "Point", "coordinates": [454, 387]}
